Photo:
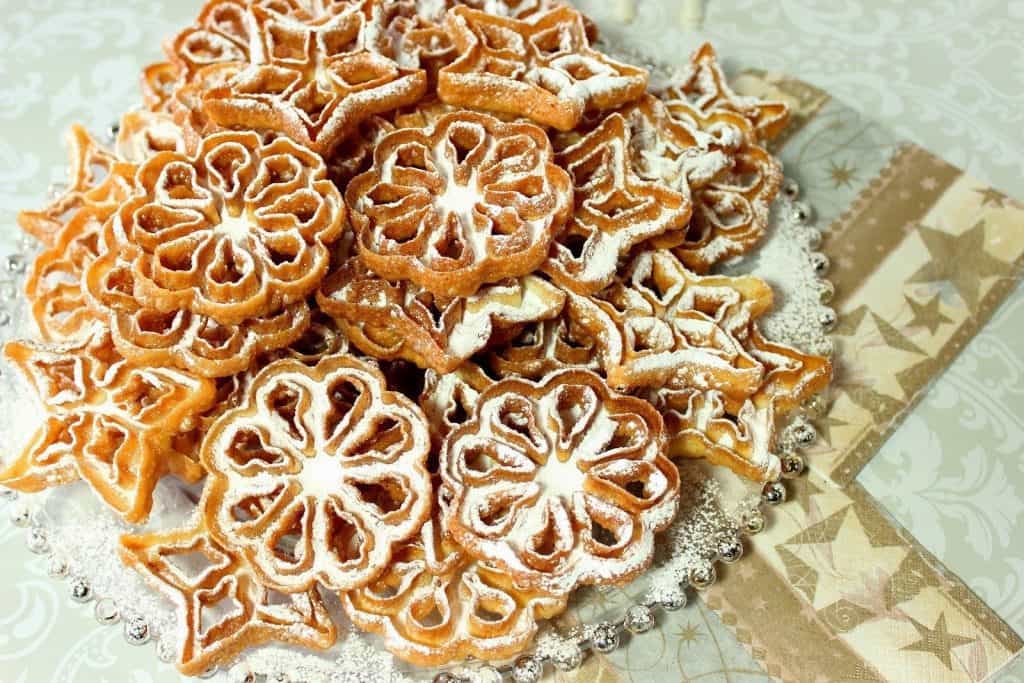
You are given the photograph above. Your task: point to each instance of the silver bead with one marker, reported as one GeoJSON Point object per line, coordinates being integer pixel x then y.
{"type": "Point", "coordinates": [639, 619]}
{"type": "Point", "coordinates": [820, 263]}
{"type": "Point", "coordinates": [568, 658]}
{"type": "Point", "coordinates": [791, 189]}
{"type": "Point", "coordinates": [527, 669]}
{"type": "Point", "coordinates": [8, 494]}
{"type": "Point", "coordinates": [792, 466]}
{"type": "Point", "coordinates": [673, 601]}
{"type": "Point", "coordinates": [15, 263]}
{"type": "Point", "coordinates": [5, 318]}
{"type": "Point", "coordinates": [703, 576]}
{"type": "Point", "coordinates": [803, 433]}
{"type": "Point", "coordinates": [802, 213]}
{"type": "Point", "coordinates": [814, 238]}
{"type": "Point", "coordinates": [20, 514]}
{"type": "Point", "coordinates": [37, 541]}
{"type": "Point", "coordinates": [826, 291]}
{"type": "Point", "coordinates": [827, 319]}
{"type": "Point", "coordinates": [57, 567]}
{"type": "Point", "coordinates": [112, 130]}
{"type": "Point", "coordinates": [81, 591]}
{"type": "Point", "coordinates": [605, 637]}
{"type": "Point", "coordinates": [446, 677]}
{"type": "Point", "coordinates": [753, 523]}
{"type": "Point", "coordinates": [106, 612]}
{"type": "Point", "coordinates": [136, 631]}
{"type": "Point", "coordinates": [773, 493]}
{"type": "Point", "coordinates": [730, 550]}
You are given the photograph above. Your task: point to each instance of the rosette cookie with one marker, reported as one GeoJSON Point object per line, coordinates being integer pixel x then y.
{"type": "Point", "coordinates": [222, 608]}
{"type": "Point", "coordinates": [434, 604]}
{"type": "Point", "coordinates": [96, 179]}
{"type": "Point", "coordinates": [738, 434]}
{"type": "Point", "coordinates": [661, 325]}
{"type": "Point", "coordinates": [703, 86]}
{"type": "Point", "coordinates": [559, 483]}
{"type": "Point", "coordinates": [466, 202]}
{"type": "Point", "coordinates": [543, 347]}
{"type": "Point", "coordinates": [314, 81]}
{"type": "Point", "coordinates": [232, 239]}
{"type": "Point", "coordinates": [391, 320]}
{"type": "Point", "coordinates": [732, 180]}
{"type": "Point", "coordinates": [317, 475]}
{"type": "Point", "coordinates": [615, 209]}
{"type": "Point", "coordinates": [113, 425]}
{"type": "Point", "coordinates": [60, 306]}
{"type": "Point", "coordinates": [141, 134]}
{"type": "Point", "coordinates": [544, 70]}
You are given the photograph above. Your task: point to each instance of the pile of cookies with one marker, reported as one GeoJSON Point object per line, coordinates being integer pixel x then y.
{"type": "Point", "coordinates": [421, 292]}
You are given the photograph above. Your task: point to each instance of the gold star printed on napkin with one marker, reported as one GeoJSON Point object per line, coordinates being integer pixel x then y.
{"type": "Point", "coordinates": [936, 640]}
{"type": "Point", "coordinates": [927, 315]}
{"type": "Point", "coordinates": [842, 174]}
{"type": "Point", "coordinates": [990, 197]}
{"type": "Point", "coordinates": [960, 260]}
{"type": "Point", "coordinates": [835, 549]}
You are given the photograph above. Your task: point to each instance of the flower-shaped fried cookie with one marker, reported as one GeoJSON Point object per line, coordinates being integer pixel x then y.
{"type": "Point", "coordinates": [222, 608]}
{"type": "Point", "coordinates": [191, 341]}
{"type": "Point", "coordinates": [142, 134]}
{"type": "Point", "coordinates": [96, 179]}
{"type": "Point", "coordinates": [391, 320]}
{"type": "Point", "coordinates": [107, 422]}
{"type": "Point", "coordinates": [355, 153]}
{"type": "Point", "coordinates": [61, 308]}
{"type": "Point", "coordinates": [661, 325]}
{"type": "Point", "coordinates": [732, 180]}
{"type": "Point", "coordinates": [543, 70]}
{"type": "Point", "coordinates": [559, 483]}
{"type": "Point", "coordinates": [317, 475]}
{"type": "Point", "coordinates": [740, 434]}
{"type": "Point", "coordinates": [235, 232]}
{"type": "Point", "coordinates": [420, 39]}
{"type": "Point", "coordinates": [615, 209]}
{"type": "Point", "coordinates": [702, 427]}
{"type": "Point", "coordinates": [222, 32]}
{"type": "Point", "coordinates": [543, 347]}
{"type": "Point", "coordinates": [316, 80]}
{"type": "Point", "coordinates": [434, 604]}
{"type": "Point", "coordinates": [157, 83]}
{"type": "Point", "coordinates": [447, 399]}
{"type": "Point", "coordinates": [731, 211]}
{"type": "Point", "coordinates": [703, 85]}
{"type": "Point", "coordinates": [469, 201]}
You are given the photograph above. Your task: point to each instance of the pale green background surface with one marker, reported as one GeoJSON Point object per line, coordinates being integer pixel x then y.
{"type": "Point", "coordinates": [948, 75]}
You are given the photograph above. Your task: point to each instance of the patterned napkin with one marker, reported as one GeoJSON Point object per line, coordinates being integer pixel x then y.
{"type": "Point", "coordinates": [835, 589]}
